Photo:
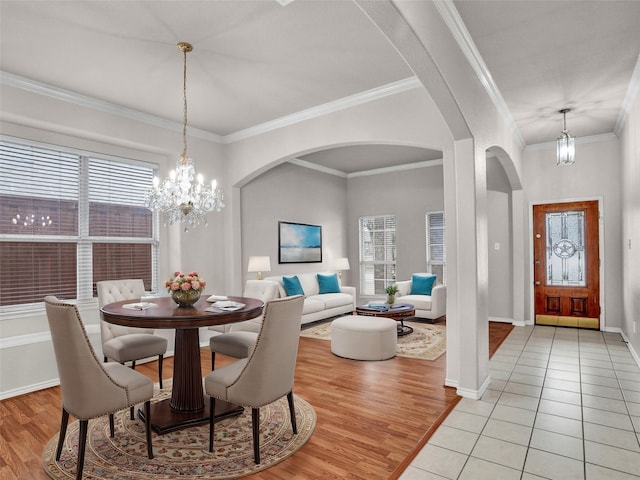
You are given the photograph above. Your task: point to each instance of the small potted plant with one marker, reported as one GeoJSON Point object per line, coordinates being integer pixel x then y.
{"type": "Point", "coordinates": [391, 291]}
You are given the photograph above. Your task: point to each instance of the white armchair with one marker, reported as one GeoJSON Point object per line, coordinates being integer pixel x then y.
{"type": "Point", "coordinates": [431, 306]}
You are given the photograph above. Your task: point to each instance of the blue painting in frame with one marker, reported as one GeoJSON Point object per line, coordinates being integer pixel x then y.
{"type": "Point", "coordinates": [299, 243]}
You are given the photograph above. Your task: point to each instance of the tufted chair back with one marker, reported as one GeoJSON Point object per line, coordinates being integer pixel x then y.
{"type": "Point", "coordinates": [110, 291]}
{"type": "Point", "coordinates": [262, 290]}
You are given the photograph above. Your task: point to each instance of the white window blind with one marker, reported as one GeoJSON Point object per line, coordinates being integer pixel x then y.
{"type": "Point", "coordinates": [436, 247]}
{"type": "Point", "coordinates": [377, 253]}
{"type": "Point", "coordinates": [67, 220]}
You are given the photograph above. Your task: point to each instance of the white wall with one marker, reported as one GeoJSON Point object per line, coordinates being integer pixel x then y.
{"type": "Point", "coordinates": [595, 175]}
{"type": "Point", "coordinates": [630, 242]}
{"type": "Point", "coordinates": [500, 229]}
{"type": "Point", "coordinates": [297, 194]}
{"type": "Point", "coordinates": [499, 256]}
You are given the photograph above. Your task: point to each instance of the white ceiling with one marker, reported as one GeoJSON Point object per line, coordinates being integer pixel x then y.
{"type": "Point", "coordinates": [256, 61]}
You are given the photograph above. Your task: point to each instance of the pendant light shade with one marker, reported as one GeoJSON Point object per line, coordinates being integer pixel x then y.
{"type": "Point", "coordinates": [566, 144]}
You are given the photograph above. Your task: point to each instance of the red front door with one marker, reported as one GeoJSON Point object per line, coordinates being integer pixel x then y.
{"type": "Point", "coordinates": [566, 264]}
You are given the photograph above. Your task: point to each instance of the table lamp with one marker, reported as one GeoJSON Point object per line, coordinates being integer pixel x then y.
{"type": "Point", "coordinates": [341, 264]}
{"type": "Point", "coordinates": [259, 264]}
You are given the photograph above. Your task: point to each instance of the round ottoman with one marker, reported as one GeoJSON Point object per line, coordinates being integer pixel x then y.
{"type": "Point", "coordinates": [364, 338]}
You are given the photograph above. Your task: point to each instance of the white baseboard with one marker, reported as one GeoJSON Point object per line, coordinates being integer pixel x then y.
{"type": "Point", "coordinates": [450, 383]}
{"type": "Point", "coordinates": [501, 320]}
{"type": "Point", "coordinates": [475, 394]}
{"type": "Point", "coordinates": [29, 388]}
{"type": "Point", "coordinates": [634, 354]}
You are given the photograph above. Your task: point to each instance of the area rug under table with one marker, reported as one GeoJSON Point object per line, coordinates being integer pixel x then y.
{"type": "Point", "coordinates": [184, 453]}
{"type": "Point", "coordinates": [427, 342]}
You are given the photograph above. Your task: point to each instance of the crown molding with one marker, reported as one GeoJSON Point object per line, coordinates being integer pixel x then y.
{"type": "Point", "coordinates": [458, 29]}
{"type": "Point", "coordinates": [364, 173]}
{"type": "Point", "coordinates": [68, 96]}
{"type": "Point", "coordinates": [319, 168]}
{"type": "Point", "coordinates": [57, 93]}
{"type": "Point", "coordinates": [603, 137]}
{"type": "Point", "coordinates": [326, 108]}
{"type": "Point", "coordinates": [632, 93]}
{"type": "Point", "coordinates": [396, 168]}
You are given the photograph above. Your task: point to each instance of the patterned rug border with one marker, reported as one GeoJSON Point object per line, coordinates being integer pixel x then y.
{"type": "Point", "coordinates": [410, 346]}
{"type": "Point", "coordinates": [182, 454]}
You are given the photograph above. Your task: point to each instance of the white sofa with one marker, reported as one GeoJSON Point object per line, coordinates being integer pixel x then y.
{"type": "Point", "coordinates": [430, 307]}
{"type": "Point", "coordinates": [319, 306]}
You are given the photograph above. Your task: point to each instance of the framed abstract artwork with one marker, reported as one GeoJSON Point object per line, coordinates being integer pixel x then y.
{"type": "Point", "coordinates": [299, 243]}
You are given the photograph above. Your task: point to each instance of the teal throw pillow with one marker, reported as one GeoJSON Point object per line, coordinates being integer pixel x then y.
{"type": "Point", "coordinates": [292, 286]}
{"type": "Point", "coordinates": [328, 283]}
{"type": "Point", "coordinates": [422, 284]}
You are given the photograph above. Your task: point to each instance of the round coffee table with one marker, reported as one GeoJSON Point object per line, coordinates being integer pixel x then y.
{"type": "Point", "coordinates": [398, 312]}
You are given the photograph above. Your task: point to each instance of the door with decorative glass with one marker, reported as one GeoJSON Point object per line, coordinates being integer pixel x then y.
{"type": "Point", "coordinates": [566, 264]}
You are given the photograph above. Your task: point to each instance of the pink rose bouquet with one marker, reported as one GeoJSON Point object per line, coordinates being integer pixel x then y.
{"type": "Point", "coordinates": [185, 282]}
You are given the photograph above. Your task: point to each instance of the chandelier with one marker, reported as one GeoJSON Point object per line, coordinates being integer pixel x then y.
{"type": "Point", "coordinates": [183, 197]}
{"type": "Point", "coordinates": [566, 144]}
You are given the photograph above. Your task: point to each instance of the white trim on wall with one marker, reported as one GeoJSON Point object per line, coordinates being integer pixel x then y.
{"type": "Point", "coordinates": [69, 96]}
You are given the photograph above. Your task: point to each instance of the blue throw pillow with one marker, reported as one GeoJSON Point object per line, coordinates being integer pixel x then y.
{"type": "Point", "coordinates": [328, 283]}
{"type": "Point", "coordinates": [292, 286]}
{"type": "Point", "coordinates": [422, 284]}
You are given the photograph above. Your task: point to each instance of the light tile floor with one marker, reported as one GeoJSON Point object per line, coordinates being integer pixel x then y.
{"type": "Point", "coordinates": [563, 404]}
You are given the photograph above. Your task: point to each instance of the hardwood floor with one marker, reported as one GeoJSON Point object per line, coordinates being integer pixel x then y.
{"type": "Point", "coordinates": [372, 416]}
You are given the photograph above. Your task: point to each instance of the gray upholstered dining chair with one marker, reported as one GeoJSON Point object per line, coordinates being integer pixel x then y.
{"type": "Point", "coordinates": [89, 388]}
{"type": "Point", "coordinates": [239, 341]}
{"type": "Point", "coordinates": [267, 374]}
{"type": "Point", "coordinates": [128, 344]}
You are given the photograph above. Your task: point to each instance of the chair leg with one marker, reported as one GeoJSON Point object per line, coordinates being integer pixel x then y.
{"type": "Point", "coordinates": [112, 427]}
{"type": "Point", "coordinates": [106, 359]}
{"type": "Point", "coordinates": [82, 444]}
{"type": "Point", "coordinates": [160, 358]}
{"type": "Point", "coordinates": [255, 424]}
{"type": "Point", "coordinates": [213, 360]}
{"type": "Point", "coordinates": [133, 365]}
{"type": "Point", "coordinates": [132, 413]}
{"type": "Point", "coordinates": [63, 432]}
{"type": "Point", "coordinates": [147, 426]}
{"type": "Point", "coordinates": [212, 409]}
{"type": "Point", "coordinates": [292, 412]}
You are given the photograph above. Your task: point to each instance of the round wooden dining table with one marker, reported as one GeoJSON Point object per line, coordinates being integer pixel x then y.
{"type": "Point", "coordinates": [187, 405]}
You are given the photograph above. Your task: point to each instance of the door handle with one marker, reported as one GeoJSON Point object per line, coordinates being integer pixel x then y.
{"type": "Point", "coordinates": [537, 283]}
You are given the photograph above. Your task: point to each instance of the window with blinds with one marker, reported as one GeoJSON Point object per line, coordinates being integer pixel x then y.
{"type": "Point", "coordinates": [436, 248]}
{"type": "Point", "coordinates": [377, 253]}
{"type": "Point", "coordinates": [68, 220]}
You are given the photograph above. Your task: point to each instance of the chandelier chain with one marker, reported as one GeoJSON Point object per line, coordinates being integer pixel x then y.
{"type": "Point", "coordinates": [184, 47]}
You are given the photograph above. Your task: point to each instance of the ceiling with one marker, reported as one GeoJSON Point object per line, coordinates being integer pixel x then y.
{"type": "Point", "coordinates": [256, 61]}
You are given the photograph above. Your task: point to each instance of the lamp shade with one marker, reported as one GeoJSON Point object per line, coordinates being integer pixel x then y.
{"type": "Point", "coordinates": [341, 264]}
{"type": "Point", "coordinates": [259, 264]}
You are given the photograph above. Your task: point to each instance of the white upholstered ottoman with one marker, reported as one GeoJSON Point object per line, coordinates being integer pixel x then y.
{"type": "Point", "coordinates": [364, 338]}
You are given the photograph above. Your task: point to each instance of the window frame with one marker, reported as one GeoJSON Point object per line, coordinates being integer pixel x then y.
{"type": "Point", "coordinates": [390, 264]}
{"type": "Point", "coordinates": [430, 262]}
{"type": "Point", "coordinates": [83, 241]}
